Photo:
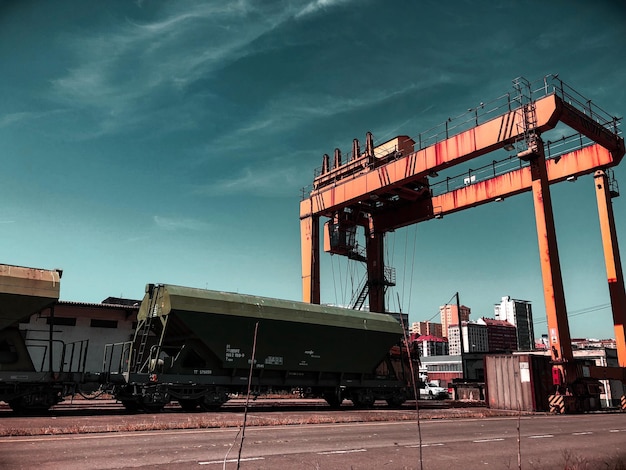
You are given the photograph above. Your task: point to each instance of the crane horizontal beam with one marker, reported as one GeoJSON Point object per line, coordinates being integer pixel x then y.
{"type": "Point", "coordinates": [570, 165]}
{"type": "Point", "coordinates": [360, 187]}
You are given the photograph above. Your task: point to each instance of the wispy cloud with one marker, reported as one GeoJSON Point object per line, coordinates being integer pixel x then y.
{"type": "Point", "coordinates": [317, 5]}
{"type": "Point", "coordinates": [293, 110]}
{"type": "Point", "coordinates": [12, 118]}
{"type": "Point", "coordinates": [174, 224]}
{"type": "Point", "coordinates": [127, 73]}
{"type": "Point", "coordinates": [261, 181]}
{"type": "Point", "coordinates": [15, 118]}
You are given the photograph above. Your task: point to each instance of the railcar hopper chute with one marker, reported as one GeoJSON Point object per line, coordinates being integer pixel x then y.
{"type": "Point", "coordinates": [24, 291]}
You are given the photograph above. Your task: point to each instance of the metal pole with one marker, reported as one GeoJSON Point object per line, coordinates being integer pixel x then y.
{"type": "Point", "coordinates": [50, 339]}
{"type": "Point", "coordinates": [458, 312]}
{"type": "Point", "coordinates": [612, 260]}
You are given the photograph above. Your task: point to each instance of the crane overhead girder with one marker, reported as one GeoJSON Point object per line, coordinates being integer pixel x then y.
{"type": "Point", "coordinates": [469, 144]}
{"type": "Point", "coordinates": [573, 164]}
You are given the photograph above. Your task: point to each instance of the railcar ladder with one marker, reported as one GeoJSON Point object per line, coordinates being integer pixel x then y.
{"type": "Point", "coordinates": [143, 333]}
{"type": "Point", "coordinates": [527, 133]}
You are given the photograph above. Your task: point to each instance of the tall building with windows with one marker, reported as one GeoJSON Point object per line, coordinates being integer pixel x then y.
{"type": "Point", "coordinates": [450, 316]}
{"type": "Point", "coordinates": [501, 334]}
{"type": "Point", "coordinates": [475, 338]}
{"type": "Point", "coordinates": [426, 328]}
{"type": "Point", "coordinates": [430, 345]}
{"type": "Point", "coordinates": [520, 314]}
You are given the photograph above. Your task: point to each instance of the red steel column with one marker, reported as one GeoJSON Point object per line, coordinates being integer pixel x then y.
{"type": "Point", "coordinates": [374, 248]}
{"type": "Point", "coordinates": [310, 245]}
{"type": "Point", "coordinates": [613, 263]}
{"type": "Point", "coordinates": [553, 292]}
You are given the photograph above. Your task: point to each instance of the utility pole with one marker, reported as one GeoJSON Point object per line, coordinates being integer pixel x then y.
{"type": "Point", "coordinates": [458, 312]}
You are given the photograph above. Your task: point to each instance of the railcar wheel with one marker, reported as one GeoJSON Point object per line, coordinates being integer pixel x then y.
{"type": "Point", "coordinates": [189, 405]}
{"type": "Point", "coordinates": [333, 399]}
{"type": "Point", "coordinates": [211, 405]}
{"type": "Point", "coordinates": [34, 403]}
{"type": "Point", "coordinates": [213, 400]}
{"type": "Point", "coordinates": [395, 401]}
{"type": "Point", "coordinates": [363, 398]}
{"type": "Point", "coordinates": [19, 409]}
{"type": "Point", "coordinates": [363, 405]}
{"type": "Point", "coordinates": [131, 405]}
{"type": "Point", "coordinates": [153, 407]}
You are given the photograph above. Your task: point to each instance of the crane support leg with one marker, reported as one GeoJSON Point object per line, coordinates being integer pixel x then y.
{"type": "Point", "coordinates": [554, 296]}
{"type": "Point", "coordinates": [614, 272]}
{"type": "Point", "coordinates": [374, 246]}
{"type": "Point", "coordinates": [310, 244]}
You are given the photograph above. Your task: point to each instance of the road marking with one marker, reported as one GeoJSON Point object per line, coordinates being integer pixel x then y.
{"type": "Point", "coordinates": [341, 451]}
{"type": "Point", "coordinates": [213, 462]}
{"type": "Point", "coordinates": [581, 433]}
{"type": "Point", "coordinates": [614, 430]}
{"type": "Point", "coordinates": [490, 440]}
{"type": "Point", "coordinates": [426, 445]}
{"type": "Point", "coordinates": [543, 436]}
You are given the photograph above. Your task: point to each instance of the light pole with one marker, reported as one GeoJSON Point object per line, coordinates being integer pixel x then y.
{"type": "Point", "coordinates": [458, 312]}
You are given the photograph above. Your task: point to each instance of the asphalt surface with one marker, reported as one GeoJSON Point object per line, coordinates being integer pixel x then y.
{"type": "Point", "coordinates": [545, 442]}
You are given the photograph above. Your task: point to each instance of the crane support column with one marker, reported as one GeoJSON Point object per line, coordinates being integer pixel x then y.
{"type": "Point", "coordinates": [554, 295]}
{"type": "Point", "coordinates": [614, 272]}
{"type": "Point", "coordinates": [310, 245]}
{"type": "Point", "coordinates": [374, 246]}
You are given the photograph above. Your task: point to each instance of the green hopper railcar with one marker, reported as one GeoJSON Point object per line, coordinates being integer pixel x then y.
{"type": "Point", "coordinates": [196, 346]}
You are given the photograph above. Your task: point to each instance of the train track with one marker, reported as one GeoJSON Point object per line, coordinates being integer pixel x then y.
{"type": "Point", "coordinates": [97, 406]}
{"type": "Point", "coordinates": [106, 415]}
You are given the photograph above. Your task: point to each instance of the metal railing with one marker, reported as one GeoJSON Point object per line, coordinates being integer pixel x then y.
{"type": "Point", "coordinates": [72, 356]}
{"type": "Point", "coordinates": [116, 358]}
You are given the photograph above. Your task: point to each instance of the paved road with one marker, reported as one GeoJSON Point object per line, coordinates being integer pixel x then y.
{"type": "Point", "coordinates": [456, 443]}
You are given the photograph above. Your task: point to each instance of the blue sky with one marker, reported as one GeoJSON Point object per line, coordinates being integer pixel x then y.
{"type": "Point", "coordinates": [154, 141]}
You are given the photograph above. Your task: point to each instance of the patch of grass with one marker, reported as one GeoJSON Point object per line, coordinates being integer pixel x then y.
{"type": "Point", "coordinates": [573, 461]}
{"type": "Point", "coordinates": [221, 420]}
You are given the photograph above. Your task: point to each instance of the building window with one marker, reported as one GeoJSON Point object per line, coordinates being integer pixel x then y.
{"type": "Point", "coordinates": [61, 321]}
{"type": "Point", "coordinates": [95, 323]}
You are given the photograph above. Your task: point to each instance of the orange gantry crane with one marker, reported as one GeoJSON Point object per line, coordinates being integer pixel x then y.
{"type": "Point", "coordinates": [395, 184]}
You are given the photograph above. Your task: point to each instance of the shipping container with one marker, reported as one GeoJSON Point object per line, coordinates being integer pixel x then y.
{"type": "Point", "coordinates": [518, 382]}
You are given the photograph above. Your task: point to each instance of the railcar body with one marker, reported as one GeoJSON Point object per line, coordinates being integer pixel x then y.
{"type": "Point", "coordinates": [196, 346]}
{"type": "Point", "coordinates": [26, 386]}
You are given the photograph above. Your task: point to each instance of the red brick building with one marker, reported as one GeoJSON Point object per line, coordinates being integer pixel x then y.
{"type": "Point", "coordinates": [501, 334]}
